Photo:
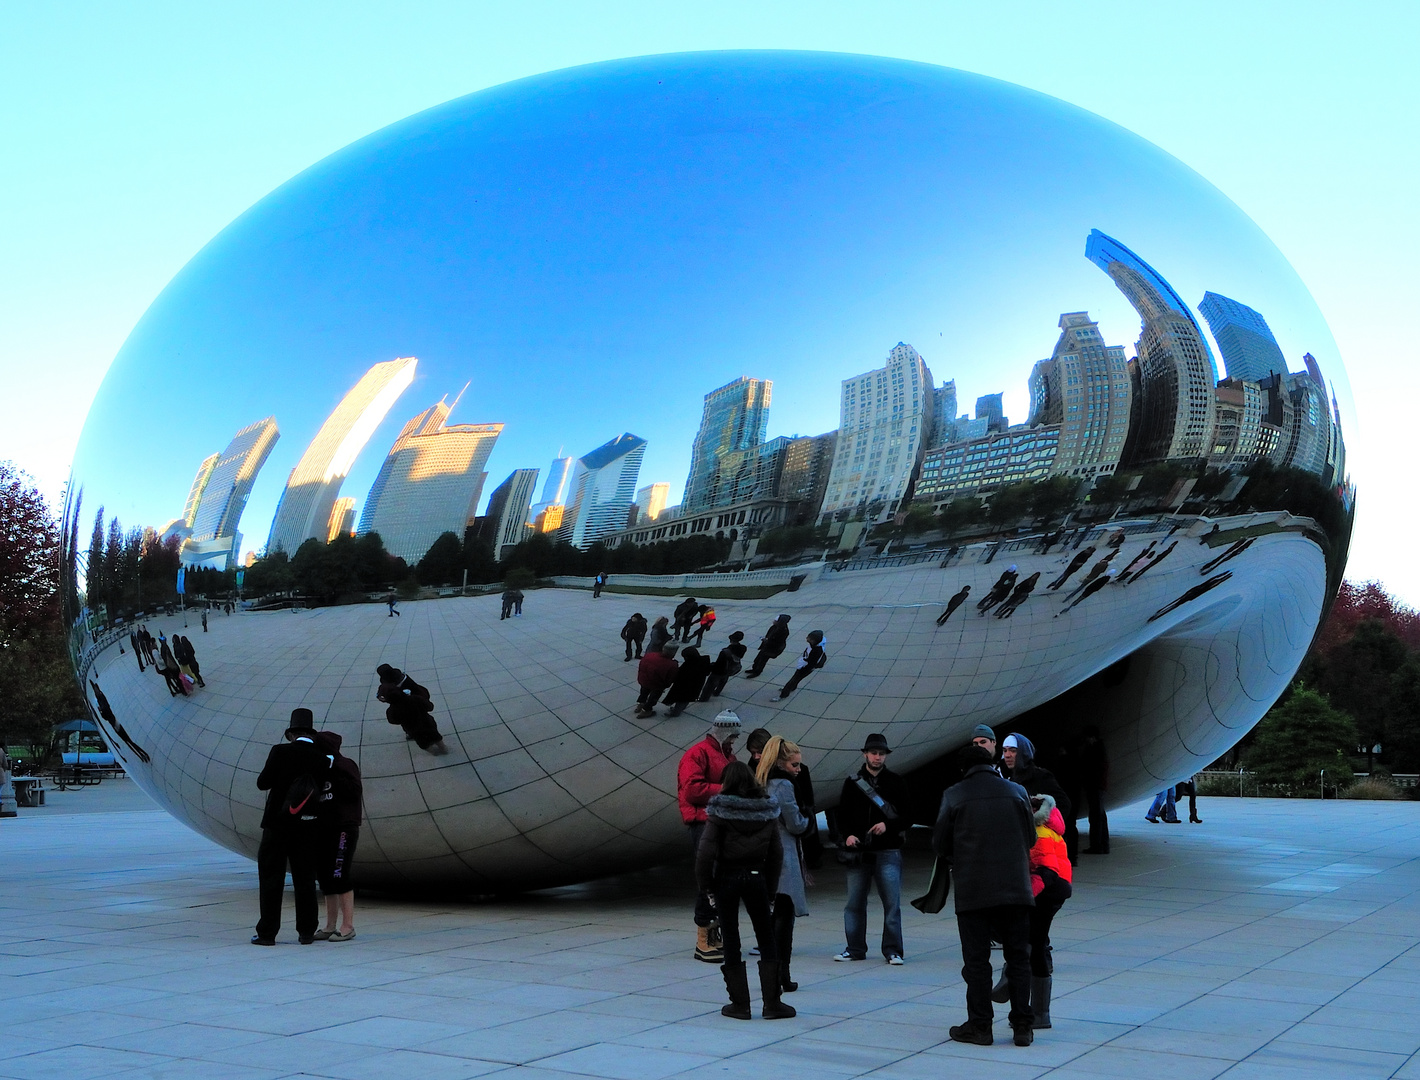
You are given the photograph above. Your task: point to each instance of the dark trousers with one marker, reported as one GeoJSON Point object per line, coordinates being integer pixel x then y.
{"type": "Point", "coordinates": [944, 616]}
{"type": "Point", "coordinates": [300, 848]}
{"type": "Point", "coordinates": [1047, 906]}
{"type": "Point", "coordinates": [714, 685]}
{"type": "Point", "coordinates": [1010, 925]}
{"type": "Point", "coordinates": [748, 886]}
{"type": "Point", "coordinates": [760, 659]}
{"type": "Point", "coordinates": [784, 916]}
{"type": "Point", "coordinates": [649, 696]}
{"type": "Point", "coordinates": [1099, 823]}
{"type": "Point", "coordinates": [704, 910]}
{"type": "Point", "coordinates": [800, 674]}
{"type": "Point", "coordinates": [630, 642]}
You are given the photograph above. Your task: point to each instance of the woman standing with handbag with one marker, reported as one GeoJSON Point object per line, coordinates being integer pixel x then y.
{"type": "Point", "coordinates": [778, 766]}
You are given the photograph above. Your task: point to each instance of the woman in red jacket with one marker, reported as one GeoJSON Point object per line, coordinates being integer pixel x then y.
{"type": "Point", "coordinates": [1050, 880]}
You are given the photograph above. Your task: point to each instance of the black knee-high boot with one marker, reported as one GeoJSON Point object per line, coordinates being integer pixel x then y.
{"type": "Point", "coordinates": [784, 940]}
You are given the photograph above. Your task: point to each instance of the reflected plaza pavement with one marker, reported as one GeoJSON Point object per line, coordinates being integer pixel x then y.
{"type": "Point", "coordinates": [1277, 939]}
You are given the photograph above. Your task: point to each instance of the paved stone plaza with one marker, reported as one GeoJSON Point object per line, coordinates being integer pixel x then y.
{"type": "Point", "coordinates": [1277, 939]}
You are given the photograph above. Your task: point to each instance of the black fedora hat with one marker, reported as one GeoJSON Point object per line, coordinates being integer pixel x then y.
{"type": "Point", "coordinates": [876, 742]}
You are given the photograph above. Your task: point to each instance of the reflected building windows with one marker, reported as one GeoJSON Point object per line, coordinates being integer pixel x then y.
{"type": "Point", "coordinates": [429, 483]}
{"type": "Point", "coordinates": [213, 540]}
{"type": "Point", "coordinates": [1177, 375]}
{"type": "Point", "coordinates": [603, 484]}
{"type": "Point", "coordinates": [735, 419]}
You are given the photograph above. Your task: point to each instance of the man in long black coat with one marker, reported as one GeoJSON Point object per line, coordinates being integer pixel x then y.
{"type": "Point", "coordinates": [290, 836]}
{"type": "Point", "coordinates": [770, 646]}
{"type": "Point", "coordinates": [985, 831]}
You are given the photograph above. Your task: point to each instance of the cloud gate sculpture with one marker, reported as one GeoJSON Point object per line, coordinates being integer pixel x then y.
{"type": "Point", "coordinates": [822, 336]}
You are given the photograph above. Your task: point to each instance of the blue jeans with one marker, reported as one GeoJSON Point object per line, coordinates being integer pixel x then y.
{"type": "Point", "coordinates": [883, 868]}
{"type": "Point", "coordinates": [1163, 801]}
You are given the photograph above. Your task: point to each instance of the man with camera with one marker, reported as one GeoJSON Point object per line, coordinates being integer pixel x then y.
{"type": "Point", "coordinates": [872, 822]}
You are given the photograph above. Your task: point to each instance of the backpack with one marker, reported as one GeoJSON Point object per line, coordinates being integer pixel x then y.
{"type": "Point", "coordinates": [298, 797]}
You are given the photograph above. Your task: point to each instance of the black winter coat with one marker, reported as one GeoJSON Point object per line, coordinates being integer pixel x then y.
{"type": "Point", "coordinates": [857, 814]}
{"type": "Point", "coordinates": [740, 834]}
{"type": "Point", "coordinates": [285, 763]}
{"type": "Point", "coordinates": [985, 831]}
{"type": "Point", "coordinates": [689, 679]}
{"type": "Point", "coordinates": [1038, 781]}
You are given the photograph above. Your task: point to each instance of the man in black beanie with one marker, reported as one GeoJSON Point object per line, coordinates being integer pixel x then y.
{"type": "Point", "coordinates": [294, 779]}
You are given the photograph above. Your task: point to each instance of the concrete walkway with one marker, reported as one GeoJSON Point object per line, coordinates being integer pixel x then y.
{"type": "Point", "coordinates": [1277, 939]}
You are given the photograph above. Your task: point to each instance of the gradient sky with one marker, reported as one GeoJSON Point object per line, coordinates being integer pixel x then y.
{"type": "Point", "coordinates": [135, 134]}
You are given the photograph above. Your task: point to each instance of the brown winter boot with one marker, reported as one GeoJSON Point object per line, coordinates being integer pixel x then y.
{"type": "Point", "coordinates": [769, 989]}
{"type": "Point", "coordinates": [737, 983]}
{"type": "Point", "coordinates": [709, 947]}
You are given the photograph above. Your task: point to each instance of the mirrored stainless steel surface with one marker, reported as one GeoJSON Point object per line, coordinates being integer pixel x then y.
{"type": "Point", "coordinates": [1020, 414]}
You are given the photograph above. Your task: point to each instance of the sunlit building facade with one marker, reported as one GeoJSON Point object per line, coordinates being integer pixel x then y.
{"type": "Point", "coordinates": [314, 484]}
{"type": "Point", "coordinates": [430, 482]}
{"type": "Point", "coordinates": [1084, 388]}
{"type": "Point", "coordinates": [882, 435]}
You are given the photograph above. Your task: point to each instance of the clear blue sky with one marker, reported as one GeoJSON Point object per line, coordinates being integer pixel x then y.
{"type": "Point", "coordinates": [132, 134]}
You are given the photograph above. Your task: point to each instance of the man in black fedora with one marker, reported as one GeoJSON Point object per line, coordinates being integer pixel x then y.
{"type": "Point", "coordinates": [872, 819]}
{"type": "Point", "coordinates": [294, 780]}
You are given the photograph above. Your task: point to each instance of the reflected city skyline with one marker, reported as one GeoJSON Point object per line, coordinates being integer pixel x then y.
{"type": "Point", "coordinates": [857, 339]}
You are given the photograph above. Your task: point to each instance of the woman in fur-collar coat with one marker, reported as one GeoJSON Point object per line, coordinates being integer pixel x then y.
{"type": "Point", "coordinates": [739, 859]}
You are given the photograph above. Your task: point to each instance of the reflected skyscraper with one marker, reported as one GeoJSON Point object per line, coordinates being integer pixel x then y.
{"type": "Point", "coordinates": [305, 508]}
{"type": "Point", "coordinates": [1085, 388]}
{"type": "Point", "coordinates": [651, 501]}
{"type": "Point", "coordinates": [342, 518]}
{"type": "Point", "coordinates": [603, 484]}
{"type": "Point", "coordinates": [881, 437]}
{"type": "Point", "coordinates": [555, 491]}
{"type": "Point", "coordinates": [991, 408]}
{"type": "Point", "coordinates": [735, 418]}
{"type": "Point", "coordinates": [1249, 350]}
{"type": "Point", "coordinates": [430, 482]}
{"type": "Point", "coordinates": [508, 510]}
{"type": "Point", "coordinates": [213, 539]}
{"type": "Point", "coordinates": [1176, 368]}
{"type": "Point", "coordinates": [944, 414]}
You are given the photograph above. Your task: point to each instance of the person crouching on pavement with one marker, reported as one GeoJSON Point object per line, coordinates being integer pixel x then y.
{"type": "Point", "coordinates": [739, 860]}
{"type": "Point", "coordinates": [985, 831]}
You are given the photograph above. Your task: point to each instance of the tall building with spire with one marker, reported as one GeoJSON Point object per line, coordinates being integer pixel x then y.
{"type": "Point", "coordinates": [509, 511]}
{"type": "Point", "coordinates": [885, 415]}
{"type": "Point", "coordinates": [1177, 373]}
{"type": "Point", "coordinates": [554, 491]}
{"type": "Point", "coordinates": [314, 484]}
{"type": "Point", "coordinates": [1249, 350]}
{"type": "Point", "coordinates": [213, 539]}
{"type": "Point", "coordinates": [603, 485]}
{"type": "Point", "coordinates": [430, 482]}
{"type": "Point", "coordinates": [736, 417]}
{"type": "Point", "coordinates": [1085, 388]}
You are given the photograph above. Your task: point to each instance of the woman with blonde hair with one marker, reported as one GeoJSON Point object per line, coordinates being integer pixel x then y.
{"type": "Point", "coordinates": [778, 765]}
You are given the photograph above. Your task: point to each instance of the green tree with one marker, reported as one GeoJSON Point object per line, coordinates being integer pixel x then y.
{"type": "Point", "coordinates": [443, 563]}
{"type": "Point", "coordinates": [37, 685]}
{"type": "Point", "coordinates": [1298, 738]}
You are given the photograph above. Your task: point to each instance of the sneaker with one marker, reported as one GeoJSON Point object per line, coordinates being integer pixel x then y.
{"type": "Point", "coordinates": [895, 960]}
{"type": "Point", "coordinates": [846, 955]}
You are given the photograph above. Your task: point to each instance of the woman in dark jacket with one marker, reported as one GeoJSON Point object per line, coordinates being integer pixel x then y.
{"type": "Point", "coordinates": [685, 687]}
{"type": "Point", "coordinates": [739, 859]}
{"type": "Point", "coordinates": [660, 635]}
{"type": "Point", "coordinates": [339, 819]}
